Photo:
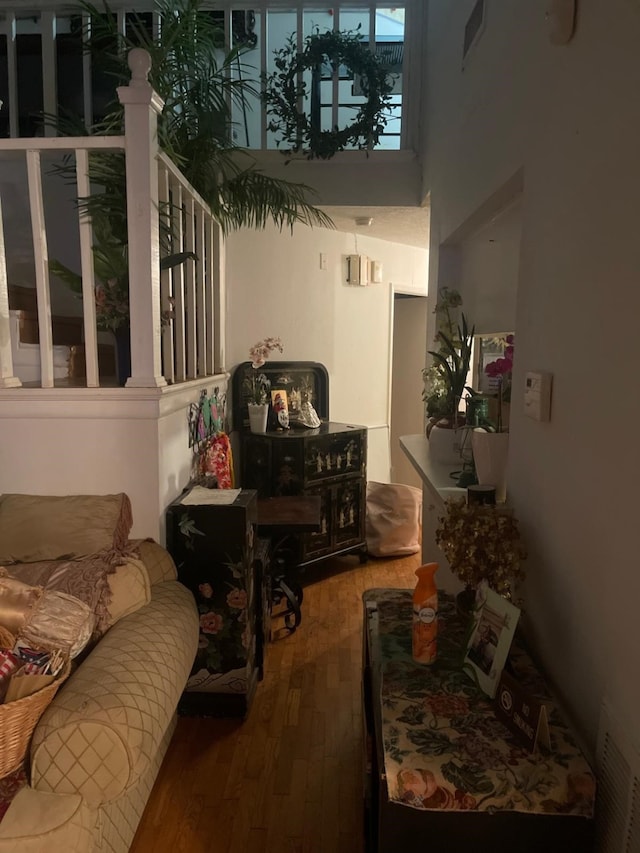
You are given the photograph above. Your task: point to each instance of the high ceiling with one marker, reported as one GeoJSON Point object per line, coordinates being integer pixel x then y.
{"type": "Point", "coordinates": [407, 225]}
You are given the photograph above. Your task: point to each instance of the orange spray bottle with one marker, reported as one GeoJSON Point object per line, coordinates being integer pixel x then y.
{"type": "Point", "coordinates": [425, 614]}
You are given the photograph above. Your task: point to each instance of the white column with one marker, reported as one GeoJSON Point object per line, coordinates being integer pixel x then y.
{"type": "Point", "coordinates": [220, 298]}
{"type": "Point", "coordinates": [141, 109]}
{"type": "Point", "coordinates": [12, 74]}
{"type": "Point", "coordinates": [7, 379]}
{"type": "Point", "coordinates": [48, 27]}
{"type": "Point", "coordinates": [41, 259]}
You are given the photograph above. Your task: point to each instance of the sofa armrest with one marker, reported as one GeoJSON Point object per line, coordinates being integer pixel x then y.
{"type": "Point", "coordinates": [157, 560]}
{"type": "Point", "coordinates": [104, 726]}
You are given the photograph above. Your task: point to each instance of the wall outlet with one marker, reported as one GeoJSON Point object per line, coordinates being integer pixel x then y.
{"type": "Point", "coordinates": [537, 395]}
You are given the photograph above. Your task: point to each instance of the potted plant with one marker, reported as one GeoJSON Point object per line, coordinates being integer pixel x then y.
{"type": "Point", "coordinates": [256, 385]}
{"type": "Point", "coordinates": [195, 129]}
{"type": "Point", "coordinates": [482, 542]}
{"type": "Point", "coordinates": [445, 379]}
{"type": "Point", "coordinates": [490, 442]}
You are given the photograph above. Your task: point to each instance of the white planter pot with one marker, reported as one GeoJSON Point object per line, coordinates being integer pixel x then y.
{"type": "Point", "coordinates": [258, 413]}
{"type": "Point", "coordinates": [444, 445]}
{"type": "Point", "coordinates": [490, 452]}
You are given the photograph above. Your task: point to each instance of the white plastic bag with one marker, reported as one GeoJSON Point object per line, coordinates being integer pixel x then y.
{"type": "Point", "coordinates": [394, 516]}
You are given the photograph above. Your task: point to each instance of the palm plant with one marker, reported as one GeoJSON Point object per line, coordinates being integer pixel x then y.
{"type": "Point", "coordinates": [197, 81]}
{"type": "Point", "coordinates": [452, 362]}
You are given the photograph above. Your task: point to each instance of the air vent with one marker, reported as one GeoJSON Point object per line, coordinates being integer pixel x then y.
{"type": "Point", "coordinates": [618, 803]}
{"type": "Point", "coordinates": [473, 28]}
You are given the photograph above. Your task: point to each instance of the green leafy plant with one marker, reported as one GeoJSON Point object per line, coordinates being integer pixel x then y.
{"type": "Point", "coordinates": [285, 90]}
{"type": "Point", "coordinates": [198, 83]}
{"type": "Point", "coordinates": [452, 362]}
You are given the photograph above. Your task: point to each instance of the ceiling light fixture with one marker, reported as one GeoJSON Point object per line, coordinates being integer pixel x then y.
{"type": "Point", "coordinates": [364, 221]}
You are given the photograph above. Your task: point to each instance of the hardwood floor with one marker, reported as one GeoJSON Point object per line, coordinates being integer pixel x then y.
{"type": "Point", "coordinates": [288, 778]}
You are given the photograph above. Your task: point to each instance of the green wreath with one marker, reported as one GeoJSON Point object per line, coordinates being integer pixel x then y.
{"type": "Point", "coordinates": [285, 89]}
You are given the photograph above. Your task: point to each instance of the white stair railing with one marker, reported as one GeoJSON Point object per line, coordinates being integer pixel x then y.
{"type": "Point", "coordinates": [176, 316]}
{"type": "Point", "coordinates": [33, 149]}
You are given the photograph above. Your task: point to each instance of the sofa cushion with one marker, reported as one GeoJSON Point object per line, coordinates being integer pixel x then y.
{"type": "Point", "coordinates": [46, 527]}
{"type": "Point", "coordinates": [38, 821]}
{"type": "Point", "coordinates": [103, 728]}
{"type": "Point", "coordinates": [130, 589]}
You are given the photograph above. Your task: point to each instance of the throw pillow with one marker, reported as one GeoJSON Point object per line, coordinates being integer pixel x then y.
{"type": "Point", "coordinates": [130, 589]}
{"type": "Point", "coordinates": [17, 600]}
{"type": "Point", "coordinates": [48, 527]}
{"type": "Point", "coordinates": [44, 619]}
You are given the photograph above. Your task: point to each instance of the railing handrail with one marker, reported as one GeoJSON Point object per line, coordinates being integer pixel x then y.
{"type": "Point", "coordinates": [150, 300]}
{"type": "Point", "coordinates": [63, 143]}
{"type": "Point", "coordinates": [173, 170]}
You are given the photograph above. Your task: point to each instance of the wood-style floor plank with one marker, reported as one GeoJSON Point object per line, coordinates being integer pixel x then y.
{"type": "Point", "coordinates": [288, 778]}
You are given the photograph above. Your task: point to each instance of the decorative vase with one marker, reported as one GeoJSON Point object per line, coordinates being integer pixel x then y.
{"type": "Point", "coordinates": [490, 452]}
{"type": "Point", "coordinates": [444, 445]}
{"type": "Point", "coordinates": [258, 413]}
{"type": "Point", "coordinates": [425, 615]}
{"type": "Point", "coordinates": [123, 353]}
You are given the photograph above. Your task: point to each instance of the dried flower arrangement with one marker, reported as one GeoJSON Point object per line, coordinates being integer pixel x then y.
{"type": "Point", "coordinates": [482, 542]}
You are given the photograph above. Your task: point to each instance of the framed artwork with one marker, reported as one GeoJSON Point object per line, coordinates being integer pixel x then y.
{"type": "Point", "coordinates": [302, 381]}
{"type": "Point", "coordinates": [280, 408]}
{"type": "Point", "coordinates": [490, 641]}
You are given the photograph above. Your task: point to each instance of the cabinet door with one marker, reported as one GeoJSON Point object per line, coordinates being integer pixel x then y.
{"type": "Point", "coordinates": [256, 464]}
{"type": "Point", "coordinates": [348, 512]}
{"type": "Point", "coordinates": [318, 544]}
{"type": "Point", "coordinates": [334, 456]}
{"type": "Point", "coordinates": [214, 553]}
{"type": "Point", "coordinates": [287, 473]}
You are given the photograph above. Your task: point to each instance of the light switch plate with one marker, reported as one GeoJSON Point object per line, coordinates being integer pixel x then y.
{"type": "Point", "coordinates": [537, 395]}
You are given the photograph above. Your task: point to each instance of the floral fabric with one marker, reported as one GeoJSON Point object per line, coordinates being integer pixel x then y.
{"type": "Point", "coordinates": [444, 748]}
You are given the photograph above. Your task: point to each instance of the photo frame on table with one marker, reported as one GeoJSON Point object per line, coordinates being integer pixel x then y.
{"type": "Point", "coordinates": [488, 647]}
{"type": "Point", "coordinates": [280, 408]}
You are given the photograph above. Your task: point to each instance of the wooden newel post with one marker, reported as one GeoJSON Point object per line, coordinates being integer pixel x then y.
{"type": "Point", "coordinates": [142, 105]}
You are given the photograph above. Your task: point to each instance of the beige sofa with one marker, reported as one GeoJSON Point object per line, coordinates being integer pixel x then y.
{"type": "Point", "coordinates": [97, 749]}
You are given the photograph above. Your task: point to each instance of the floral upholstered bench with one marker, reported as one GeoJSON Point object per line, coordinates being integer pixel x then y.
{"type": "Point", "coordinates": [444, 761]}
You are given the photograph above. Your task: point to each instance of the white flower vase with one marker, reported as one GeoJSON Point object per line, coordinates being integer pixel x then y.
{"type": "Point", "coordinates": [490, 452]}
{"type": "Point", "coordinates": [444, 445]}
{"type": "Point", "coordinates": [258, 413]}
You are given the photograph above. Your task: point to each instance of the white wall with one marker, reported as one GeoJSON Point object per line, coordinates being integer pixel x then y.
{"type": "Point", "coordinates": [565, 116]}
{"type": "Point", "coordinates": [407, 406]}
{"type": "Point", "coordinates": [276, 288]}
{"type": "Point", "coordinates": [65, 442]}
{"type": "Point", "coordinates": [489, 272]}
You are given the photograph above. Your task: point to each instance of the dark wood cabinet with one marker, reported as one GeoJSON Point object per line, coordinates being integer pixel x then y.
{"type": "Point", "coordinates": [329, 461]}
{"type": "Point", "coordinates": [225, 565]}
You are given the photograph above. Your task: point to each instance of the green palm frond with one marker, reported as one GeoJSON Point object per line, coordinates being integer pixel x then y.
{"type": "Point", "coordinates": [198, 81]}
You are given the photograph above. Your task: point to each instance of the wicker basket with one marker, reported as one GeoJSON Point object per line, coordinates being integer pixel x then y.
{"type": "Point", "coordinates": [18, 720]}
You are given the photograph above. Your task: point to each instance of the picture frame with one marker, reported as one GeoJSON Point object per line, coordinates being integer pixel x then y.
{"type": "Point", "coordinates": [280, 408]}
{"type": "Point", "coordinates": [495, 621]}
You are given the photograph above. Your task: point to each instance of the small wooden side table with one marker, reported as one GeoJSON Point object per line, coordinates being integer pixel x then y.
{"type": "Point", "coordinates": [283, 519]}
